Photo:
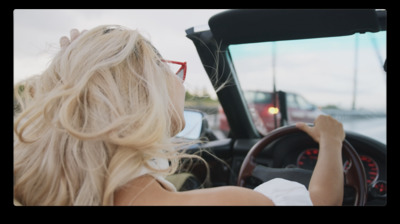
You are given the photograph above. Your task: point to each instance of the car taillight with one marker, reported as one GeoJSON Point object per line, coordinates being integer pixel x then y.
{"type": "Point", "coordinates": [273, 110]}
{"type": "Point", "coordinates": [270, 110]}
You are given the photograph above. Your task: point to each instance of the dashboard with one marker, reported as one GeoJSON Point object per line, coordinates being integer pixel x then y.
{"type": "Point", "coordinates": [295, 151]}
{"type": "Point", "coordinates": [376, 184]}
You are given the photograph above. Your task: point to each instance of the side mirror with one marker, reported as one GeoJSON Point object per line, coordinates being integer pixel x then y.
{"type": "Point", "coordinates": [196, 125]}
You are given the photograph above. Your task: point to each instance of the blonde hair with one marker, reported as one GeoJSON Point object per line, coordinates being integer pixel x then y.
{"type": "Point", "coordinates": [92, 119]}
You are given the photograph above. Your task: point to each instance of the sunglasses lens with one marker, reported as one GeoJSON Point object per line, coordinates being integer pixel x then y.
{"type": "Point", "coordinates": [180, 67]}
{"type": "Point", "coordinates": [181, 74]}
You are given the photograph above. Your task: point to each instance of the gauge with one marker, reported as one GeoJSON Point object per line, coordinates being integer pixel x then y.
{"type": "Point", "coordinates": [307, 159]}
{"type": "Point", "coordinates": [370, 166]}
{"type": "Point", "coordinates": [379, 188]}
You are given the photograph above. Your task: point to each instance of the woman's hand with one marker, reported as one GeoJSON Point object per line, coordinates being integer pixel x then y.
{"type": "Point", "coordinates": [324, 127]}
{"type": "Point", "coordinates": [65, 41]}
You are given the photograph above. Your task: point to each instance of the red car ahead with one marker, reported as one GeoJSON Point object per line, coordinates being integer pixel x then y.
{"type": "Point", "coordinates": [262, 109]}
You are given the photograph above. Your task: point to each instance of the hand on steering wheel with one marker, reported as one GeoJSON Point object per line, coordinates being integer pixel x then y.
{"type": "Point", "coordinates": [354, 175]}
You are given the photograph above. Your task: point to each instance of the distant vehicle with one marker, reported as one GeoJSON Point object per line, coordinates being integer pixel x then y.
{"type": "Point", "coordinates": [298, 109]}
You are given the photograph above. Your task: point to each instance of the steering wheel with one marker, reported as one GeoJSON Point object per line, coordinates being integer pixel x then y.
{"type": "Point", "coordinates": [354, 175]}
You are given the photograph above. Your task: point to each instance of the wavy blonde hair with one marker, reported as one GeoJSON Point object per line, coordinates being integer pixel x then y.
{"type": "Point", "coordinates": [92, 119]}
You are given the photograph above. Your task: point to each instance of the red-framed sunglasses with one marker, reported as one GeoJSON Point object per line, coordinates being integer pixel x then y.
{"type": "Point", "coordinates": [181, 72]}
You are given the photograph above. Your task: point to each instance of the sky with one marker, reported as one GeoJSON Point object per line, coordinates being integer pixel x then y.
{"type": "Point", "coordinates": [37, 34]}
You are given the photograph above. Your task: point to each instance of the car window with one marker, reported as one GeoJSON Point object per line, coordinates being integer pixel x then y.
{"type": "Point", "coordinates": [291, 101]}
{"type": "Point", "coordinates": [263, 98]}
{"type": "Point", "coordinates": [341, 76]}
{"type": "Point", "coordinates": [303, 104]}
{"type": "Point", "coordinates": [258, 97]}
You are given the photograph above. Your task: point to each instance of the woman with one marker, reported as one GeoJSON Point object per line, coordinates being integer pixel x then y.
{"type": "Point", "coordinates": [96, 128]}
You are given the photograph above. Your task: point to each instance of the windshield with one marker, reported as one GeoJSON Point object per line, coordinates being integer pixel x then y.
{"type": "Point", "coordinates": [339, 76]}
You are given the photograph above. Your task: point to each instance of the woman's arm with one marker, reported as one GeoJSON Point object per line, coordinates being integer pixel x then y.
{"type": "Point", "coordinates": [326, 184]}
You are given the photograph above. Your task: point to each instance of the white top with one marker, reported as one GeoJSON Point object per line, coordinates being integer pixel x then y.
{"type": "Point", "coordinates": [285, 192]}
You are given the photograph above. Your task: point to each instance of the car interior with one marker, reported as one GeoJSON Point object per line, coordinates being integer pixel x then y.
{"type": "Point", "coordinates": [247, 157]}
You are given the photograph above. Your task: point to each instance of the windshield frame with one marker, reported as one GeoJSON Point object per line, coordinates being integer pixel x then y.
{"type": "Point", "coordinates": [217, 62]}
